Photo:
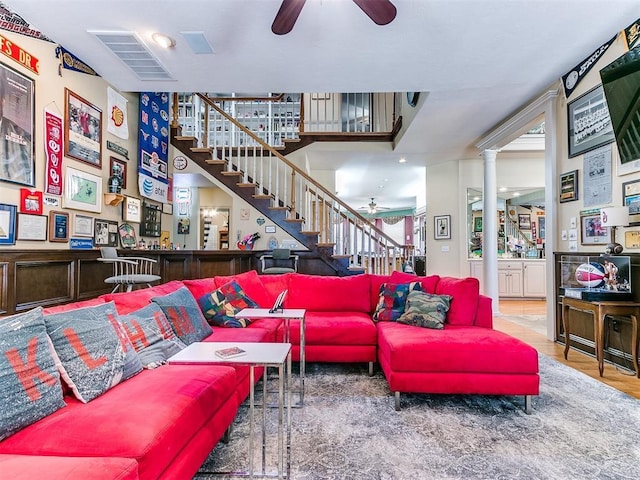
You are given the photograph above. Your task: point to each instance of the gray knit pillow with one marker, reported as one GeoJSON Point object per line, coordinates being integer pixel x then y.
{"type": "Point", "coordinates": [30, 387]}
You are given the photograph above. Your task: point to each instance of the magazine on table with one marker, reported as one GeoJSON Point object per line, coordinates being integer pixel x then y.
{"type": "Point", "coordinates": [278, 305]}
{"type": "Point", "coordinates": [230, 352]}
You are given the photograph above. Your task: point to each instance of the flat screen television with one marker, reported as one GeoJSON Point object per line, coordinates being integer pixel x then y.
{"type": "Point", "coordinates": [621, 83]}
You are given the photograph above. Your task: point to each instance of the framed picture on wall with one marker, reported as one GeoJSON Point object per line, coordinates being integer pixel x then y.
{"type": "Point", "coordinates": [477, 224]}
{"type": "Point", "coordinates": [32, 227]}
{"type": "Point", "coordinates": [132, 210]}
{"type": "Point", "coordinates": [17, 127]}
{"type": "Point", "coordinates": [58, 226]}
{"type": "Point", "coordinates": [589, 122]}
{"type": "Point", "coordinates": [8, 224]}
{"type": "Point", "coordinates": [592, 231]}
{"type": "Point", "coordinates": [82, 190]}
{"type": "Point", "coordinates": [83, 124]}
{"type": "Point", "coordinates": [524, 221]}
{"type": "Point", "coordinates": [631, 199]}
{"type": "Point", "coordinates": [569, 186]}
{"type": "Point", "coordinates": [119, 168]}
{"type": "Point", "coordinates": [442, 227]}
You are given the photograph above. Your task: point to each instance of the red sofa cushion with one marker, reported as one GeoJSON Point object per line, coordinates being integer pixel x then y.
{"type": "Point", "coordinates": [92, 302]}
{"type": "Point", "coordinates": [329, 294]}
{"type": "Point", "coordinates": [28, 467]}
{"type": "Point", "coordinates": [127, 302]}
{"type": "Point", "coordinates": [454, 349]}
{"type": "Point", "coordinates": [334, 328]}
{"type": "Point", "coordinates": [200, 286]}
{"type": "Point", "coordinates": [428, 283]}
{"type": "Point", "coordinates": [274, 285]}
{"type": "Point", "coordinates": [251, 284]}
{"type": "Point", "coordinates": [465, 293]}
{"type": "Point", "coordinates": [150, 418]}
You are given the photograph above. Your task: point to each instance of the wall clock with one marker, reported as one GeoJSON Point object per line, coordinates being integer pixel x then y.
{"type": "Point", "coordinates": [412, 98]}
{"type": "Point", "coordinates": [180, 162]}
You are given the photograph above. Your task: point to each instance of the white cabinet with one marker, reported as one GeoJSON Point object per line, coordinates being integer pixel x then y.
{"type": "Point", "coordinates": [534, 276]}
{"type": "Point", "coordinates": [510, 279]}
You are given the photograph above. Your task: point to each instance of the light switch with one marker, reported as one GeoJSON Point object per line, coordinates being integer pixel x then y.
{"type": "Point", "coordinates": [444, 248]}
{"type": "Point", "coordinates": [564, 235]}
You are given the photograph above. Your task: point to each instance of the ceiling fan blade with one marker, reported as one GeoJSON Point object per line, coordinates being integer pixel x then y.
{"type": "Point", "coordinates": [287, 16]}
{"type": "Point", "coordinates": [381, 12]}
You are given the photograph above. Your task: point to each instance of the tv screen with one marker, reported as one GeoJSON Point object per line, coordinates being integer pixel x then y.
{"type": "Point", "coordinates": [621, 83]}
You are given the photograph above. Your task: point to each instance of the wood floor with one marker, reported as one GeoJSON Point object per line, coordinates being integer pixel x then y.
{"type": "Point", "coordinates": [624, 381]}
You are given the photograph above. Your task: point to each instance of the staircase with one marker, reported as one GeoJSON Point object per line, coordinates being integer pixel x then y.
{"type": "Point", "coordinates": [256, 171]}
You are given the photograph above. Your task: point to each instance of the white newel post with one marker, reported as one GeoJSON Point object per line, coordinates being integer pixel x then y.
{"type": "Point", "coordinates": [490, 228]}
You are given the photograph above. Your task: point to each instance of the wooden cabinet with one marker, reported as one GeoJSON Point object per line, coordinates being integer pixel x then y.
{"type": "Point", "coordinates": [510, 279]}
{"type": "Point", "coordinates": [534, 279]}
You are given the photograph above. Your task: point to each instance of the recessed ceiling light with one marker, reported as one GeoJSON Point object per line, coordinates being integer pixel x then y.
{"type": "Point", "coordinates": [402, 160]}
{"type": "Point", "coordinates": [165, 41]}
{"type": "Point", "coordinates": [475, 199]}
{"type": "Point", "coordinates": [516, 194]}
{"type": "Point", "coordinates": [503, 189]}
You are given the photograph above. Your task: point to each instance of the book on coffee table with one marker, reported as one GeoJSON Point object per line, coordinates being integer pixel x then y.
{"type": "Point", "coordinates": [230, 352]}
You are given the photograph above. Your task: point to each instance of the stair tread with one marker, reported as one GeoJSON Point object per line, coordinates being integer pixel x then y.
{"type": "Point", "coordinates": [300, 220]}
{"type": "Point", "coordinates": [215, 162]}
{"type": "Point", "coordinates": [245, 185]}
{"type": "Point", "coordinates": [311, 232]}
{"type": "Point", "coordinates": [259, 196]}
{"type": "Point", "coordinates": [230, 174]}
{"type": "Point", "coordinates": [202, 149]}
{"type": "Point", "coordinates": [182, 138]}
{"type": "Point", "coordinates": [278, 208]}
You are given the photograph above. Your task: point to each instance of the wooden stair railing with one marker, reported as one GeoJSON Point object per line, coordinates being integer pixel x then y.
{"type": "Point", "coordinates": [262, 176]}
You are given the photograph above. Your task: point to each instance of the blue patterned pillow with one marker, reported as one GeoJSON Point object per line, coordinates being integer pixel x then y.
{"type": "Point", "coordinates": [30, 387]}
{"type": "Point", "coordinates": [184, 315]}
{"type": "Point", "coordinates": [151, 335]}
{"type": "Point", "coordinates": [393, 297]}
{"type": "Point", "coordinates": [426, 310]}
{"type": "Point", "coordinates": [220, 306]}
{"type": "Point", "coordinates": [93, 349]}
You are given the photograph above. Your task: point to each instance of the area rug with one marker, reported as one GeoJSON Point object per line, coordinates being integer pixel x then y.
{"type": "Point", "coordinates": [348, 429]}
{"type": "Point", "coordinates": [537, 323]}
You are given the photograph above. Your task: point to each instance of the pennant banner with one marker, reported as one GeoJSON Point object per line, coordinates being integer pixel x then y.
{"type": "Point", "coordinates": [12, 22]}
{"type": "Point", "coordinates": [571, 80]}
{"type": "Point", "coordinates": [69, 61]}
{"type": "Point", "coordinates": [632, 34]}
{"type": "Point", "coordinates": [117, 111]}
{"type": "Point", "coordinates": [153, 145]}
{"type": "Point", "coordinates": [53, 152]}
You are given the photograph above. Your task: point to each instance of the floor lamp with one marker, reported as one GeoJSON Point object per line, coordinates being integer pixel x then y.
{"type": "Point", "coordinates": [614, 217]}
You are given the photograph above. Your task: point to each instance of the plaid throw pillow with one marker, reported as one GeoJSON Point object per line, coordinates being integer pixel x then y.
{"type": "Point", "coordinates": [426, 310]}
{"type": "Point", "coordinates": [393, 297]}
{"type": "Point", "coordinates": [220, 306]}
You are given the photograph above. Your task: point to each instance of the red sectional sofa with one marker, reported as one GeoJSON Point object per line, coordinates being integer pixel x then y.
{"type": "Point", "coordinates": [162, 422]}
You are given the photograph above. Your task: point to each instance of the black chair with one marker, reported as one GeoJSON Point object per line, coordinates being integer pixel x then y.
{"type": "Point", "coordinates": [128, 271]}
{"type": "Point", "coordinates": [279, 260]}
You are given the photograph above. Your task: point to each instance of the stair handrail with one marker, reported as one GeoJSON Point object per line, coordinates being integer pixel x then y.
{"type": "Point", "coordinates": [512, 229]}
{"type": "Point", "coordinates": [211, 103]}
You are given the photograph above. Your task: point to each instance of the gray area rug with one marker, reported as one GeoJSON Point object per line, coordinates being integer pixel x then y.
{"type": "Point", "coordinates": [537, 323]}
{"type": "Point", "coordinates": [348, 429]}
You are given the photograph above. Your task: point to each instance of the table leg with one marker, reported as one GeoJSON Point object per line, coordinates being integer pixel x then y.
{"type": "Point", "coordinates": [280, 420]}
{"type": "Point", "coordinates": [288, 387]}
{"type": "Point", "coordinates": [251, 408]}
{"type": "Point", "coordinates": [566, 326]}
{"type": "Point", "coordinates": [264, 419]}
{"type": "Point", "coordinates": [303, 362]}
{"type": "Point", "coordinates": [634, 343]}
{"type": "Point", "coordinates": [598, 325]}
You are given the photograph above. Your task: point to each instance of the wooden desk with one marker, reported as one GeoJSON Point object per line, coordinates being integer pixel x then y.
{"type": "Point", "coordinates": [599, 310]}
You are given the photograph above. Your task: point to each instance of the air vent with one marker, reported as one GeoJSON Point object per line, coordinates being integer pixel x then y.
{"type": "Point", "coordinates": [129, 48]}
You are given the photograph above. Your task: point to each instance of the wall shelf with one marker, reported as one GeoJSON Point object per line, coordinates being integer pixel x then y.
{"type": "Point", "coordinates": [113, 199]}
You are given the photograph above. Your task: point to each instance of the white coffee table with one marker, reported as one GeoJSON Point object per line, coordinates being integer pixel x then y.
{"type": "Point", "coordinates": [257, 355]}
{"type": "Point", "coordinates": [286, 314]}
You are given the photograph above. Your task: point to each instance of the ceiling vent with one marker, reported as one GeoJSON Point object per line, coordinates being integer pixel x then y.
{"type": "Point", "coordinates": [129, 48]}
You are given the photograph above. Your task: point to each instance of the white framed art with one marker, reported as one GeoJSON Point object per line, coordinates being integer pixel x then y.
{"type": "Point", "coordinates": [82, 190]}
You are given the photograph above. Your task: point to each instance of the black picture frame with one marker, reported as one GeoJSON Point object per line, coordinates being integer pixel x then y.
{"type": "Point", "coordinates": [442, 227]}
{"type": "Point", "coordinates": [631, 199]}
{"type": "Point", "coordinates": [105, 233]}
{"type": "Point", "coordinates": [589, 115]}
{"type": "Point", "coordinates": [19, 123]}
{"type": "Point", "coordinates": [569, 186]}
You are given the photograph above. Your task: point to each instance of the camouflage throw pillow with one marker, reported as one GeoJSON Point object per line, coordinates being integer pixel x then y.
{"type": "Point", "coordinates": [220, 307]}
{"type": "Point", "coordinates": [426, 310]}
{"type": "Point", "coordinates": [30, 387]}
{"type": "Point", "coordinates": [393, 297]}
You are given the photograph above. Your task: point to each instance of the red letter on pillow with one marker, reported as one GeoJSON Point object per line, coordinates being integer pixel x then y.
{"type": "Point", "coordinates": [136, 336]}
{"type": "Point", "coordinates": [81, 350]}
{"type": "Point", "coordinates": [27, 372]}
{"type": "Point", "coordinates": [180, 320]}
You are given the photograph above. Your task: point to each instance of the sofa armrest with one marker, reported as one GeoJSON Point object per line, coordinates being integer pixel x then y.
{"type": "Point", "coordinates": [484, 315]}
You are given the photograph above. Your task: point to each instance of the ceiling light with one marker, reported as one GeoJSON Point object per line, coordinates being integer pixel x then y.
{"type": "Point", "coordinates": [503, 189]}
{"type": "Point", "coordinates": [165, 41]}
{"type": "Point", "coordinates": [516, 194]}
{"type": "Point", "coordinates": [402, 160]}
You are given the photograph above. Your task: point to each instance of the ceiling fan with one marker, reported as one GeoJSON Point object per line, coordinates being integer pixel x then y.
{"type": "Point", "coordinates": [373, 208]}
{"type": "Point", "coordinates": [381, 12]}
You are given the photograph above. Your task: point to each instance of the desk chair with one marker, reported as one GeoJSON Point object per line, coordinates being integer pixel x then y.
{"type": "Point", "coordinates": [128, 271]}
{"type": "Point", "coordinates": [280, 261]}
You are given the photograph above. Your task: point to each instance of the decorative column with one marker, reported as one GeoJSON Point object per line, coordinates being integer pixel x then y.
{"type": "Point", "coordinates": [490, 228]}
